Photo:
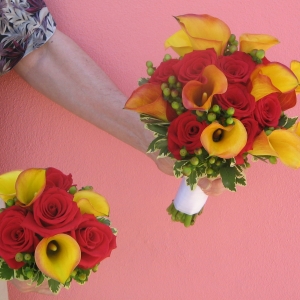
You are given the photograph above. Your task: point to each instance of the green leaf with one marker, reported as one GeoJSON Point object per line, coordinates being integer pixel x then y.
{"type": "Point", "coordinates": [290, 122]}
{"type": "Point", "coordinates": [19, 274]}
{"type": "Point", "coordinates": [228, 175]}
{"type": "Point", "coordinates": [158, 143]}
{"type": "Point", "coordinates": [192, 180]}
{"type": "Point", "coordinates": [114, 230]}
{"type": "Point", "coordinates": [54, 286]}
{"type": "Point", "coordinates": [159, 129]}
{"type": "Point", "coordinates": [149, 119]}
{"type": "Point", "coordinates": [40, 278]}
{"type": "Point", "coordinates": [103, 220]}
{"type": "Point", "coordinates": [6, 272]}
{"type": "Point", "coordinates": [177, 168]}
{"type": "Point", "coordinates": [241, 181]}
{"type": "Point", "coordinates": [164, 152]}
{"type": "Point", "coordinates": [143, 81]}
{"type": "Point", "coordinates": [67, 285]}
{"type": "Point", "coordinates": [282, 121]}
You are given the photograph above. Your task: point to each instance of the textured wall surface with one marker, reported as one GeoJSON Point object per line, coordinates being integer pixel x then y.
{"type": "Point", "coordinates": [244, 246]}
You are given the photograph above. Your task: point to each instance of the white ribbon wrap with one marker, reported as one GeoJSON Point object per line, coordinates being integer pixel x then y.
{"type": "Point", "coordinates": [188, 201]}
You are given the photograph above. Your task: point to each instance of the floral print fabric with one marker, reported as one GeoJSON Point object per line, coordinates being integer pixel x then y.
{"type": "Point", "coordinates": [25, 25]}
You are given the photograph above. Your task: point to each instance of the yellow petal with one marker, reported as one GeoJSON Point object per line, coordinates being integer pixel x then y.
{"type": "Point", "coordinates": [57, 256]}
{"type": "Point", "coordinates": [282, 79]}
{"type": "Point", "coordinates": [179, 42]}
{"type": "Point", "coordinates": [295, 67]}
{"type": "Point", "coordinates": [148, 99]}
{"type": "Point", "coordinates": [197, 95]}
{"type": "Point", "coordinates": [30, 184]}
{"type": "Point", "coordinates": [249, 42]}
{"type": "Point", "coordinates": [287, 146]}
{"type": "Point", "coordinates": [90, 202]}
{"type": "Point", "coordinates": [224, 142]}
{"type": "Point", "coordinates": [205, 32]}
{"type": "Point", "coordinates": [262, 146]}
{"type": "Point", "coordinates": [7, 185]}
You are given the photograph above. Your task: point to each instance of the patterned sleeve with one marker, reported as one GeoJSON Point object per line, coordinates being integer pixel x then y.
{"type": "Point", "coordinates": [25, 25]}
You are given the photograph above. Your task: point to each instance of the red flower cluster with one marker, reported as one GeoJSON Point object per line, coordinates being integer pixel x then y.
{"type": "Point", "coordinates": [53, 212]}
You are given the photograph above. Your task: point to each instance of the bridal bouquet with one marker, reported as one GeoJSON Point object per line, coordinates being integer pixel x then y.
{"type": "Point", "coordinates": [217, 104]}
{"type": "Point", "coordinates": [50, 230]}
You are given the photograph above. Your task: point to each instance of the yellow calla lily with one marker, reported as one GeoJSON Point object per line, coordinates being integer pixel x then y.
{"type": "Point", "coordinates": [148, 99]}
{"type": "Point", "coordinates": [197, 95]}
{"type": "Point", "coordinates": [57, 256]}
{"type": "Point", "coordinates": [30, 184]}
{"type": "Point", "coordinates": [284, 144]}
{"type": "Point", "coordinates": [249, 42]}
{"type": "Point", "coordinates": [224, 142]}
{"type": "Point", "coordinates": [272, 78]}
{"type": "Point", "coordinates": [90, 202]}
{"type": "Point", "coordinates": [295, 67]}
{"type": "Point", "coordinates": [7, 185]}
{"type": "Point", "coordinates": [202, 32]}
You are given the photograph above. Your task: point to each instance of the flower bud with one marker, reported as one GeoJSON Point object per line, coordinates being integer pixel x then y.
{"type": "Point", "coordinates": [183, 152]}
{"type": "Point", "coordinates": [186, 171]}
{"type": "Point", "coordinates": [73, 190]}
{"type": "Point", "coordinates": [19, 257]}
{"type": "Point", "coordinates": [273, 160]}
{"type": "Point", "coordinates": [167, 92]}
{"type": "Point", "coordinates": [209, 171]}
{"type": "Point", "coordinates": [232, 49]}
{"type": "Point", "coordinates": [163, 86]}
{"type": "Point", "coordinates": [10, 202]}
{"type": "Point", "coordinates": [230, 111]}
{"type": "Point", "coordinates": [149, 64]}
{"type": "Point", "coordinates": [216, 108]}
{"type": "Point", "coordinates": [167, 57]}
{"type": "Point", "coordinates": [172, 79]}
{"type": "Point", "coordinates": [174, 93]}
{"type": "Point", "coordinates": [229, 121]}
{"type": "Point", "coordinates": [260, 54]}
{"type": "Point", "coordinates": [199, 113]}
{"type": "Point", "coordinates": [194, 161]}
{"type": "Point", "coordinates": [82, 276]}
{"type": "Point", "coordinates": [211, 117]}
{"type": "Point", "coordinates": [231, 38]}
{"type": "Point", "coordinates": [212, 160]}
{"type": "Point", "coordinates": [27, 256]}
{"type": "Point", "coordinates": [198, 151]}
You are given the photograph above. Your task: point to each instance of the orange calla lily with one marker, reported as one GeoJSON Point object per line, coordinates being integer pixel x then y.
{"type": "Point", "coordinates": [199, 32]}
{"type": "Point", "coordinates": [57, 256]}
{"type": "Point", "coordinates": [90, 202]}
{"type": "Point", "coordinates": [30, 184]}
{"type": "Point", "coordinates": [272, 78]}
{"type": "Point", "coordinates": [7, 185]}
{"type": "Point", "coordinates": [249, 42]}
{"type": "Point", "coordinates": [295, 67]}
{"type": "Point", "coordinates": [198, 96]}
{"type": "Point", "coordinates": [224, 142]}
{"type": "Point", "coordinates": [148, 99]}
{"type": "Point", "coordinates": [284, 144]}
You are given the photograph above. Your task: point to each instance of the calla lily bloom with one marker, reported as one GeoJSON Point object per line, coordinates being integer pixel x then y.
{"type": "Point", "coordinates": [199, 32]}
{"type": "Point", "coordinates": [197, 95]}
{"type": "Point", "coordinates": [29, 185]}
{"type": "Point", "coordinates": [225, 142]}
{"type": "Point", "coordinates": [7, 185]}
{"type": "Point", "coordinates": [57, 256]}
{"type": "Point", "coordinates": [90, 202]}
{"type": "Point", "coordinates": [148, 99]}
{"type": "Point", "coordinates": [295, 67]}
{"type": "Point", "coordinates": [272, 78]}
{"type": "Point", "coordinates": [284, 144]}
{"type": "Point", "coordinates": [249, 42]}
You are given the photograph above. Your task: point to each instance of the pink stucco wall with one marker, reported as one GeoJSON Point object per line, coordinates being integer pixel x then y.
{"type": "Point", "coordinates": [245, 245]}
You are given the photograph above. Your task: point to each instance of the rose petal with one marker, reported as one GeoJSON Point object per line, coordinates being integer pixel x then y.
{"type": "Point", "coordinates": [232, 142]}
{"type": "Point", "coordinates": [30, 184]}
{"type": "Point", "coordinates": [249, 42]}
{"type": "Point", "coordinates": [90, 202]}
{"type": "Point", "coordinates": [7, 185]}
{"type": "Point", "coordinates": [58, 264]}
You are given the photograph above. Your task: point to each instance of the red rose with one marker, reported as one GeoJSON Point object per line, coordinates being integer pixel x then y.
{"type": "Point", "coordinates": [53, 212]}
{"type": "Point", "coordinates": [163, 71]}
{"type": "Point", "coordinates": [185, 131]}
{"type": "Point", "coordinates": [95, 239]}
{"type": "Point", "coordinates": [55, 178]}
{"type": "Point", "coordinates": [236, 67]}
{"type": "Point", "coordinates": [267, 111]}
{"type": "Point", "coordinates": [253, 131]}
{"type": "Point", "coordinates": [238, 97]}
{"type": "Point", "coordinates": [14, 238]}
{"type": "Point", "coordinates": [190, 67]}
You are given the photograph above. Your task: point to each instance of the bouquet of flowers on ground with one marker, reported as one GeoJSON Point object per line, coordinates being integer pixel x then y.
{"type": "Point", "coordinates": [50, 230]}
{"type": "Point", "coordinates": [217, 104]}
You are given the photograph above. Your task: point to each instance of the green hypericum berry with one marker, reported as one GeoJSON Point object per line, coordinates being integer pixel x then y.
{"type": "Point", "coordinates": [199, 113]}
{"type": "Point", "coordinates": [95, 268]}
{"type": "Point", "coordinates": [260, 54]}
{"type": "Point", "coordinates": [268, 132]}
{"type": "Point", "coordinates": [183, 152]}
{"type": "Point", "coordinates": [247, 165]}
{"type": "Point", "coordinates": [178, 85]}
{"type": "Point", "coordinates": [232, 38]}
{"type": "Point", "coordinates": [88, 188]}
{"type": "Point", "coordinates": [19, 257]}
{"type": "Point", "coordinates": [232, 48]}
{"type": "Point", "coordinates": [174, 93]}
{"type": "Point", "coordinates": [27, 256]}
{"type": "Point", "coordinates": [235, 43]}
{"type": "Point", "coordinates": [172, 79]}
{"type": "Point", "coordinates": [29, 274]}
{"type": "Point", "coordinates": [230, 111]}
{"type": "Point", "coordinates": [82, 276]}
{"type": "Point", "coordinates": [166, 92]}
{"type": "Point", "coordinates": [10, 202]}
{"type": "Point", "coordinates": [216, 108]}
{"type": "Point", "coordinates": [212, 160]}
{"type": "Point", "coordinates": [74, 273]}
{"type": "Point", "coordinates": [150, 71]}
{"type": "Point", "coordinates": [186, 171]}
{"type": "Point", "coordinates": [194, 161]}
{"type": "Point", "coordinates": [273, 160]}
{"type": "Point", "coordinates": [209, 171]}
{"type": "Point", "coordinates": [149, 64]}
{"type": "Point", "coordinates": [163, 86]}
{"type": "Point", "coordinates": [167, 57]}
{"type": "Point", "coordinates": [229, 121]}
{"type": "Point", "coordinates": [73, 190]}
{"type": "Point", "coordinates": [253, 52]}
{"type": "Point", "coordinates": [211, 117]}
{"type": "Point", "coordinates": [175, 105]}
{"type": "Point", "coordinates": [218, 163]}
{"type": "Point", "coordinates": [198, 151]}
